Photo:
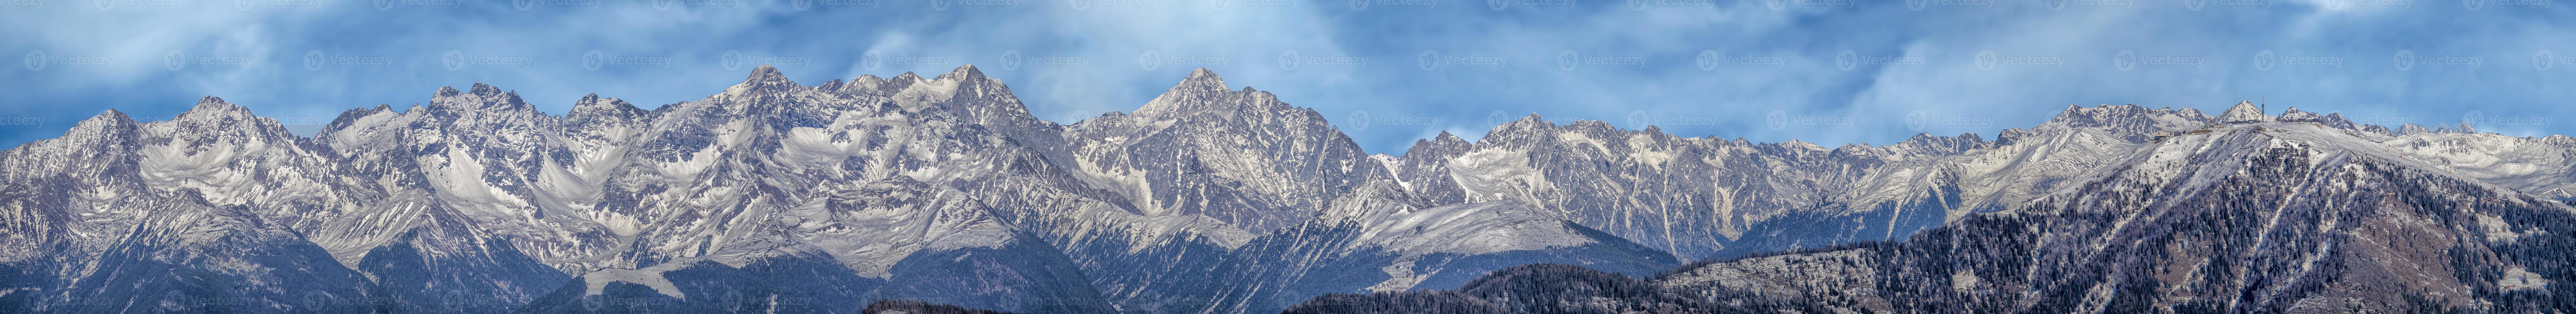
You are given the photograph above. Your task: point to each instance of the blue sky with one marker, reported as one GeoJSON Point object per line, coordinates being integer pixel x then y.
{"type": "Point", "coordinates": [1386, 71]}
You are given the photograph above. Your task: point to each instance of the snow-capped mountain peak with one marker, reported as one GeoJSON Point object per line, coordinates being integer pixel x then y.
{"type": "Point", "coordinates": [2244, 112]}
{"type": "Point", "coordinates": [765, 78]}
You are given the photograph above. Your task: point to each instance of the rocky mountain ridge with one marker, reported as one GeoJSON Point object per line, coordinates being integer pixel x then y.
{"type": "Point", "coordinates": [774, 195]}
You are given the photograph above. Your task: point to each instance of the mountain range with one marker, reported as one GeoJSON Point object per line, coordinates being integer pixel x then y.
{"type": "Point", "coordinates": [943, 194]}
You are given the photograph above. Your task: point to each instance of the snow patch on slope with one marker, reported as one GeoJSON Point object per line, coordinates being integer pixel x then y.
{"type": "Point", "coordinates": [1496, 173]}
{"type": "Point", "coordinates": [1468, 229]}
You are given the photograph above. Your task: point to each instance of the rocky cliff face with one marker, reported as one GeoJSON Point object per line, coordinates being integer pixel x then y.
{"type": "Point", "coordinates": [779, 196]}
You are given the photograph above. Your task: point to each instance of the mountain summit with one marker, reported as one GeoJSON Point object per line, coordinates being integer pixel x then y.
{"type": "Point", "coordinates": [2244, 112]}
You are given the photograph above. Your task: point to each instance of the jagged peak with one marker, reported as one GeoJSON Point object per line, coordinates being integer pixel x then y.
{"type": "Point", "coordinates": [1443, 140]}
{"type": "Point", "coordinates": [766, 78]}
{"type": "Point", "coordinates": [481, 89]}
{"type": "Point", "coordinates": [2105, 115]}
{"type": "Point", "coordinates": [213, 107]}
{"type": "Point", "coordinates": [2295, 113]}
{"type": "Point", "coordinates": [1200, 79]}
{"type": "Point", "coordinates": [2411, 128]}
{"type": "Point", "coordinates": [479, 97]}
{"type": "Point", "coordinates": [1532, 117]}
{"type": "Point", "coordinates": [765, 73]}
{"type": "Point", "coordinates": [593, 103]}
{"type": "Point", "coordinates": [1531, 121]}
{"type": "Point", "coordinates": [211, 101]}
{"type": "Point", "coordinates": [832, 85]}
{"type": "Point", "coordinates": [105, 118]}
{"type": "Point", "coordinates": [112, 114]}
{"type": "Point", "coordinates": [963, 72]}
{"type": "Point", "coordinates": [2244, 111]}
{"type": "Point", "coordinates": [1203, 91]}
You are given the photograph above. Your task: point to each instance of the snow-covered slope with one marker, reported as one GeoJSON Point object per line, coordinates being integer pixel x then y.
{"type": "Point", "coordinates": [2260, 217]}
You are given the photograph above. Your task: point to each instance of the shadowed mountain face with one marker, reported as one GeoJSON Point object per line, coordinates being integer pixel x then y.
{"type": "Point", "coordinates": [2261, 217]}
{"type": "Point", "coordinates": [779, 196]}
